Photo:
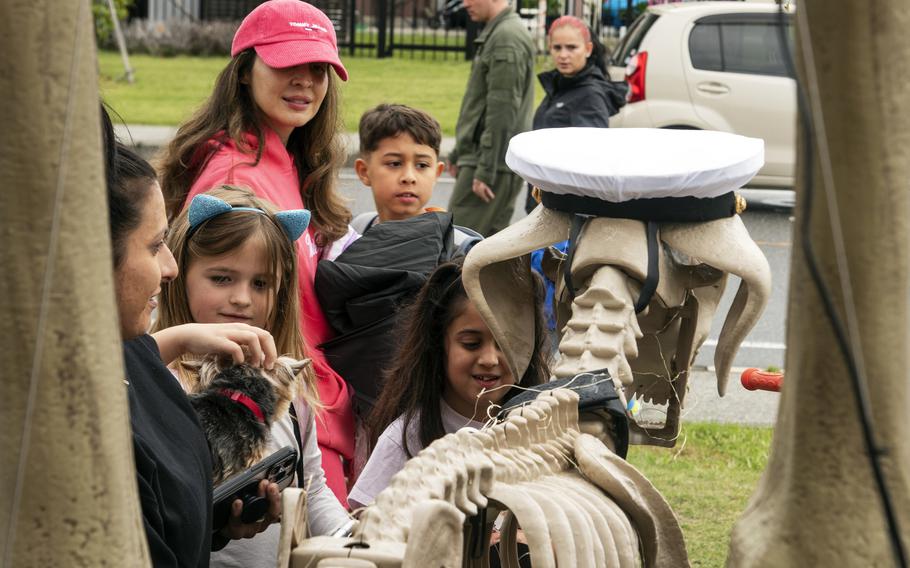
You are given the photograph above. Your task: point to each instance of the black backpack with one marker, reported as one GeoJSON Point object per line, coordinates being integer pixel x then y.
{"type": "Point", "coordinates": [362, 291]}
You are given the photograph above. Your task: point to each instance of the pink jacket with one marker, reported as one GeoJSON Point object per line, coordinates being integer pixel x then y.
{"type": "Point", "coordinates": [275, 179]}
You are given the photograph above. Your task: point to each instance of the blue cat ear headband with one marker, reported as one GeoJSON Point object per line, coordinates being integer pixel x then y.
{"type": "Point", "coordinates": [204, 207]}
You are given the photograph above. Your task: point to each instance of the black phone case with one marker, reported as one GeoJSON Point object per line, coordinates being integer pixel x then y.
{"type": "Point", "coordinates": [279, 468]}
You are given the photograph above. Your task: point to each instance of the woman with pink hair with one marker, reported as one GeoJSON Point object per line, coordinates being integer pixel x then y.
{"type": "Point", "coordinates": [578, 89]}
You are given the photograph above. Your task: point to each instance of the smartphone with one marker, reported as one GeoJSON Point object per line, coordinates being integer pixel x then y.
{"type": "Point", "coordinates": [279, 468]}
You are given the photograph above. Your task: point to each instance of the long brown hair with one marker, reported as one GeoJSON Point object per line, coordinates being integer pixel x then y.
{"type": "Point", "coordinates": [229, 114]}
{"type": "Point", "coordinates": [414, 383]}
{"type": "Point", "coordinates": [221, 235]}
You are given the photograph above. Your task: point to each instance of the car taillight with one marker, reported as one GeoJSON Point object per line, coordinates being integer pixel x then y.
{"type": "Point", "coordinates": [635, 77]}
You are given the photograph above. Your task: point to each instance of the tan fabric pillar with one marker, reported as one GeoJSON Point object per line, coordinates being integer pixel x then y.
{"type": "Point", "coordinates": [816, 504]}
{"type": "Point", "coordinates": [67, 481]}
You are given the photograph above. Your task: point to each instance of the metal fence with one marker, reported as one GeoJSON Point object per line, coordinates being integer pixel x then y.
{"type": "Point", "coordinates": [415, 29]}
{"type": "Point", "coordinates": [419, 29]}
{"type": "Point", "coordinates": [426, 29]}
{"type": "Point", "coordinates": [163, 10]}
{"type": "Point", "coordinates": [227, 9]}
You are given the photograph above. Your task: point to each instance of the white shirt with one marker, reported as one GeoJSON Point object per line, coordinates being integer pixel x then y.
{"type": "Point", "coordinates": [389, 456]}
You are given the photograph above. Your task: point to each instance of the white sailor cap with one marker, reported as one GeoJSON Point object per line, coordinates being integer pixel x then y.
{"type": "Point", "coordinates": [623, 164]}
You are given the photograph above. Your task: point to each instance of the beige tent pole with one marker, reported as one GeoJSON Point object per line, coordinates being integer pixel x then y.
{"type": "Point", "coordinates": [67, 482]}
{"type": "Point", "coordinates": [817, 503]}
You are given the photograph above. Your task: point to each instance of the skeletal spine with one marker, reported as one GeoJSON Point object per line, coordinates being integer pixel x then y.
{"type": "Point", "coordinates": [603, 329]}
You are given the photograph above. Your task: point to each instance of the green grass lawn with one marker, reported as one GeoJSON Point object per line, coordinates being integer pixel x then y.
{"type": "Point", "coordinates": [167, 90]}
{"type": "Point", "coordinates": [708, 479]}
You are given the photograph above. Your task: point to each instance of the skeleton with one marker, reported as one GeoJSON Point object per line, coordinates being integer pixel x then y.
{"type": "Point", "coordinates": [577, 502]}
{"type": "Point", "coordinates": [648, 354]}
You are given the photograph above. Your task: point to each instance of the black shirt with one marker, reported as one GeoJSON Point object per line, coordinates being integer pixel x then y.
{"type": "Point", "coordinates": [581, 100]}
{"type": "Point", "coordinates": [173, 463]}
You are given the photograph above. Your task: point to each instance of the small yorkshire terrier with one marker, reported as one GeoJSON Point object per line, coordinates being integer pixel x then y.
{"type": "Point", "coordinates": [237, 405]}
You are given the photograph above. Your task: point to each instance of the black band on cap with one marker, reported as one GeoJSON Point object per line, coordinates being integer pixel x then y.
{"type": "Point", "coordinates": [658, 209]}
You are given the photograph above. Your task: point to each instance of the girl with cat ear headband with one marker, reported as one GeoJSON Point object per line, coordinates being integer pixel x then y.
{"type": "Point", "coordinates": [238, 263]}
{"type": "Point", "coordinates": [219, 224]}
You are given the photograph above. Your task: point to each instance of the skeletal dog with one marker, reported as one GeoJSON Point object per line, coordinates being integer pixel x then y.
{"type": "Point", "coordinates": [237, 405]}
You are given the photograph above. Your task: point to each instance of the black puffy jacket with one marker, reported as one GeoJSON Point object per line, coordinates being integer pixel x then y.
{"type": "Point", "coordinates": [362, 290]}
{"type": "Point", "coordinates": [585, 99]}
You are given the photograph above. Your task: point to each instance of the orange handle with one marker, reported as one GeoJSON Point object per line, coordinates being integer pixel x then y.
{"type": "Point", "coordinates": [756, 379]}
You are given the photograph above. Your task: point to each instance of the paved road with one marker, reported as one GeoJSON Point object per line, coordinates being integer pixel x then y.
{"type": "Point", "coordinates": [762, 348]}
{"type": "Point", "coordinates": [739, 406]}
{"type": "Point", "coordinates": [765, 344]}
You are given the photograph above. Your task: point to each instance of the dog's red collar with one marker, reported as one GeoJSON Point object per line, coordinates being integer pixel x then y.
{"type": "Point", "coordinates": [246, 401]}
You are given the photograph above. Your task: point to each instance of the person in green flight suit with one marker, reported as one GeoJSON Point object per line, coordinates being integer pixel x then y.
{"type": "Point", "coordinates": [497, 105]}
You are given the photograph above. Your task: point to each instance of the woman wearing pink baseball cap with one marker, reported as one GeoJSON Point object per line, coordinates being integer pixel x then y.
{"type": "Point", "coordinates": [272, 124]}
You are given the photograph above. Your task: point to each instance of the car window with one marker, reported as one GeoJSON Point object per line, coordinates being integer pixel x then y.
{"type": "Point", "coordinates": [629, 44]}
{"type": "Point", "coordinates": [752, 48]}
{"type": "Point", "coordinates": [740, 43]}
{"type": "Point", "coordinates": [704, 47]}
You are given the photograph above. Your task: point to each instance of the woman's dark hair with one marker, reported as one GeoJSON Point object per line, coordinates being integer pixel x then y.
{"type": "Point", "coordinates": [390, 120]}
{"type": "Point", "coordinates": [598, 57]}
{"type": "Point", "coordinates": [414, 382]}
{"type": "Point", "coordinates": [128, 179]}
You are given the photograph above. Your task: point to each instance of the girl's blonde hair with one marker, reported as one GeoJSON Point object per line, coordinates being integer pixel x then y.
{"type": "Point", "coordinates": [229, 114]}
{"type": "Point", "coordinates": [223, 234]}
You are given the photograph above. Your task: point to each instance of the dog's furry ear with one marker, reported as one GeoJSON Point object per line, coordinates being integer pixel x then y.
{"type": "Point", "coordinates": [191, 365]}
{"type": "Point", "coordinates": [298, 365]}
{"type": "Point", "coordinates": [202, 372]}
{"type": "Point", "coordinates": [188, 373]}
{"type": "Point", "coordinates": [295, 366]}
{"type": "Point", "coordinates": [195, 365]}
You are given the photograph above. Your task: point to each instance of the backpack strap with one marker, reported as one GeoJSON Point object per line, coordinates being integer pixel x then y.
{"type": "Point", "coordinates": [296, 425]}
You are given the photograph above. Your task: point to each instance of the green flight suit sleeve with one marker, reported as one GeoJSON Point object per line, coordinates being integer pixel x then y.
{"type": "Point", "coordinates": [505, 80]}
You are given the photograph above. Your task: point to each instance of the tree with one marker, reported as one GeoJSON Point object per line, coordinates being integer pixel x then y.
{"type": "Point", "coordinates": [104, 28]}
{"type": "Point", "coordinates": [817, 503]}
{"type": "Point", "coordinates": [69, 495]}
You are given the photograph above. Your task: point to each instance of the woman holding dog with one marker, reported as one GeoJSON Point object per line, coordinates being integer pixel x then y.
{"type": "Point", "coordinates": [173, 464]}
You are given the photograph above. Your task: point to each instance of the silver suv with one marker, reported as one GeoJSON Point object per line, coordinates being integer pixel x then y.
{"type": "Point", "coordinates": [712, 66]}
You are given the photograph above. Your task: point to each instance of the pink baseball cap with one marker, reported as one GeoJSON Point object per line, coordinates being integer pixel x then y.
{"type": "Point", "coordinates": [286, 33]}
